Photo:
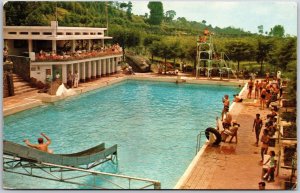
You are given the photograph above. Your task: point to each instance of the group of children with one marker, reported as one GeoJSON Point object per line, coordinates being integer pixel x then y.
{"type": "Point", "coordinates": [265, 90]}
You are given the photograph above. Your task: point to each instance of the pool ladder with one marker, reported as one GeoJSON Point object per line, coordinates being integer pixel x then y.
{"type": "Point", "coordinates": [199, 141]}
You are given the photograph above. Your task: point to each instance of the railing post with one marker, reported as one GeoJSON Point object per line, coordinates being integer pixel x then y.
{"type": "Point", "coordinates": [157, 185]}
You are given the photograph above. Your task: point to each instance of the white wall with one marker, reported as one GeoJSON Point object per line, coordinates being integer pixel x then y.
{"type": "Point", "coordinates": [40, 72]}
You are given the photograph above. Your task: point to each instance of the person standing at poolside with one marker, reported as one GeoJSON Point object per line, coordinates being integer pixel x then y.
{"type": "Point", "coordinates": [257, 124]}
{"type": "Point", "coordinates": [76, 79]}
{"type": "Point", "coordinates": [257, 89]}
{"type": "Point", "coordinates": [263, 96]}
{"type": "Point", "coordinates": [250, 88]}
{"type": "Point", "coordinates": [41, 146]}
{"type": "Point", "coordinates": [227, 119]}
{"type": "Point", "coordinates": [267, 77]}
{"type": "Point", "coordinates": [271, 167]}
{"type": "Point", "coordinates": [265, 144]}
{"type": "Point", "coordinates": [70, 80]}
{"type": "Point", "coordinates": [226, 104]}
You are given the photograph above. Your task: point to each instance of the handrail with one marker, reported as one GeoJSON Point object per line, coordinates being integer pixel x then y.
{"type": "Point", "coordinates": [43, 165]}
{"type": "Point", "coordinates": [199, 141]}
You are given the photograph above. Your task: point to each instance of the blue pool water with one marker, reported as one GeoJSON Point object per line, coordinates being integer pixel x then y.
{"type": "Point", "coordinates": [155, 125]}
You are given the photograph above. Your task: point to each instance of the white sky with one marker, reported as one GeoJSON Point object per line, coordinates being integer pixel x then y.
{"type": "Point", "coordinates": [239, 14]}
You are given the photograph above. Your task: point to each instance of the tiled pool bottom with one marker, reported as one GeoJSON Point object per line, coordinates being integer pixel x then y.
{"type": "Point", "coordinates": [155, 125]}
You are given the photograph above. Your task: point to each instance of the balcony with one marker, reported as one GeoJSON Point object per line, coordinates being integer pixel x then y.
{"type": "Point", "coordinates": [78, 55]}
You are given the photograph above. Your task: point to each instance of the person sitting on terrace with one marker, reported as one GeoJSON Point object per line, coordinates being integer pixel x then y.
{"type": "Point", "coordinates": [42, 53]}
{"type": "Point", "coordinates": [41, 146]}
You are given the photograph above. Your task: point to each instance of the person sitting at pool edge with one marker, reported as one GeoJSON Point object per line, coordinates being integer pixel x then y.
{"type": "Point", "coordinates": [41, 146]}
{"type": "Point", "coordinates": [237, 99]}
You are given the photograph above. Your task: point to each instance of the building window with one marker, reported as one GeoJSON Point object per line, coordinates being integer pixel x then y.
{"type": "Point", "coordinates": [35, 33]}
{"type": "Point", "coordinates": [77, 33]}
{"type": "Point", "coordinates": [47, 33]}
{"type": "Point", "coordinates": [12, 32]}
{"type": "Point", "coordinates": [69, 33]}
{"type": "Point", "coordinates": [59, 33]}
{"type": "Point", "coordinates": [23, 33]}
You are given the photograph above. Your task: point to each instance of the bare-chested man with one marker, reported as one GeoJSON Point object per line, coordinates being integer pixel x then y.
{"type": "Point", "coordinates": [41, 146]}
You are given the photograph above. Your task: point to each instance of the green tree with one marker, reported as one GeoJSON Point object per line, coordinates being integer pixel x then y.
{"type": "Point", "coordinates": [239, 51]}
{"type": "Point", "coordinates": [260, 29]}
{"type": "Point", "coordinates": [170, 15]}
{"type": "Point", "coordinates": [166, 52]}
{"type": "Point", "coordinates": [203, 22]}
{"type": "Point", "coordinates": [148, 41]}
{"type": "Point", "coordinates": [262, 51]}
{"type": "Point", "coordinates": [128, 11]}
{"type": "Point", "coordinates": [277, 31]}
{"type": "Point", "coordinates": [126, 38]}
{"type": "Point", "coordinates": [156, 12]}
{"type": "Point", "coordinates": [287, 53]}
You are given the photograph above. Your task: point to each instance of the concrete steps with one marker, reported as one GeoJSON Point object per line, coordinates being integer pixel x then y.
{"type": "Point", "coordinates": [21, 86]}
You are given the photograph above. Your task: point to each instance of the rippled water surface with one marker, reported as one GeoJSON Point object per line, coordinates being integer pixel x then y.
{"type": "Point", "coordinates": [155, 125]}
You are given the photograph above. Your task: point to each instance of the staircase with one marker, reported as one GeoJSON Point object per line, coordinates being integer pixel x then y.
{"type": "Point", "coordinates": [20, 86]}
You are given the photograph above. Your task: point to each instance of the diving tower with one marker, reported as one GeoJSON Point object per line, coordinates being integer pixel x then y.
{"type": "Point", "coordinates": [210, 63]}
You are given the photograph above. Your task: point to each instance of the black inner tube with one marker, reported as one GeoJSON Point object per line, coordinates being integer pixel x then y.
{"type": "Point", "coordinates": [215, 132]}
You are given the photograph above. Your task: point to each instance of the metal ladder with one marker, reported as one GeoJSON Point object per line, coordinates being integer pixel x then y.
{"type": "Point", "coordinates": [199, 141]}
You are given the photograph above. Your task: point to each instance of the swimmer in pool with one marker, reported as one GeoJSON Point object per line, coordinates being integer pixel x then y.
{"type": "Point", "coordinates": [41, 146]}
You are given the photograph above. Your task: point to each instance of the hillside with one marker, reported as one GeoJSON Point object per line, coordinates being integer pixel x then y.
{"type": "Point", "coordinates": [93, 14]}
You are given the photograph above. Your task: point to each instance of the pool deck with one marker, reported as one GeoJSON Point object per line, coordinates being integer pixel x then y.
{"type": "Point", "coordinates": [228, 166]}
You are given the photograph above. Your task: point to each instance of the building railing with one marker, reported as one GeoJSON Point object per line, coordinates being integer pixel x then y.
{"type": "Point", "coordinates": [76, 55]}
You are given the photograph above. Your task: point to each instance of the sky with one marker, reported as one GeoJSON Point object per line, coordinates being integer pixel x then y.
{"type": "Point", "coordinates": [247, 15]}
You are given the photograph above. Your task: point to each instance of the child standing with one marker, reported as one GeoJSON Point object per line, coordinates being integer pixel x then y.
{"type": "Point", "coordinates": [271, 167]}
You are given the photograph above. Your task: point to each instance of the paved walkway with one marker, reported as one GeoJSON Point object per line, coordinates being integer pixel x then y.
{"type": "Point", "coordinates": [232, 165]}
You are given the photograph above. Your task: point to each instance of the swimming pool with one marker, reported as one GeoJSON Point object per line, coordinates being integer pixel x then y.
{"type": "Point", "coordinates": [155, 125]}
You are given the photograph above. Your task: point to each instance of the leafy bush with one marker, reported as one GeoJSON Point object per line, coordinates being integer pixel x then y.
{"type": "Point", "coordinates": [290, 131]}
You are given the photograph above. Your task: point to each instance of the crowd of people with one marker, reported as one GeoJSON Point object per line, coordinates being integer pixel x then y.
{"type": "Point", "coordinates": [267, 91]}
{"type": "Point", "coordinates": [78, 54]}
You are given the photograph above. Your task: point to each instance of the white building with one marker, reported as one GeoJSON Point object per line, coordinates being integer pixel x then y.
{"type": "Point", "coordinates": [43, 44]}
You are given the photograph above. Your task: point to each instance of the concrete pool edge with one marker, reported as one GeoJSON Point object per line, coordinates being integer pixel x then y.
{"type": "Point", "coordinates": [192, 165]}
{"type": "Point", "coordinates": [44, 98]}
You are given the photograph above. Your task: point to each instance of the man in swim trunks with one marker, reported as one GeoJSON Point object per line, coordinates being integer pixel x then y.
{"type": "Point", "coordinates": [41, 146]}
{"type": "Point", "coordinates": [250, 88]}
{"type": "Point", "coordinates": [257, 124]}
{"type": "Point", "coordinates": [226, 103]}
{"type": "Point", "coordinates": [227, 120]}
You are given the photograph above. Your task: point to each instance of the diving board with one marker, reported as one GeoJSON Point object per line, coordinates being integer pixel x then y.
{"type": "Point", "coordinates": [84, 159]}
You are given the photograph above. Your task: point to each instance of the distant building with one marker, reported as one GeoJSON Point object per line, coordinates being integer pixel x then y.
{"type": "Point", "coordinates": [52, 49]}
